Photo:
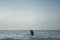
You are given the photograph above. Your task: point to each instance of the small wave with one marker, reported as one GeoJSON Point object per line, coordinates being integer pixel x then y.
{"type": "Point", "coordinates": [9, 39]}
{"type": "Point", "coordinates": [49, 38]}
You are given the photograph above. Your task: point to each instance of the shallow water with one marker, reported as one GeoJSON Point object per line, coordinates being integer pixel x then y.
{"type": "Point", "coordinates": [33, 39]}
{"type": "Point", "coordinates": [25, 34]}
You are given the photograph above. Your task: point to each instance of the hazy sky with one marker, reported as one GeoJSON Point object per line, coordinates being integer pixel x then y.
{"type": "Point", "coordinates": [29, 14]}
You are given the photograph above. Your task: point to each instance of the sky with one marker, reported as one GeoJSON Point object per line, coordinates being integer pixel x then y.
{"type": "Point", "coordinates": [29, 14]}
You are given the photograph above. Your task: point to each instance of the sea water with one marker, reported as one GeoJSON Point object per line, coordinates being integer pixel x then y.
{"type": "Point", "coordinates": [25, 34]}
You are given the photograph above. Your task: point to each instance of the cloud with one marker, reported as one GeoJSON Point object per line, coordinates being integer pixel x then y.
{"type": "Point", "coordinates": [16, 20]}
{"type": "Point", "coordinates": [17, 17]}
{"type": "Point", "coordinates": [28, 20]}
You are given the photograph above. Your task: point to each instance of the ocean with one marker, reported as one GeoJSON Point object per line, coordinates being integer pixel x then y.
{"type": "Point", "coordinates": [25, 34]}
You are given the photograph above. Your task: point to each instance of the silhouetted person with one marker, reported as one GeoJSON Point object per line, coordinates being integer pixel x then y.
{"type": "Point", "coordinates": [32, 33]}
